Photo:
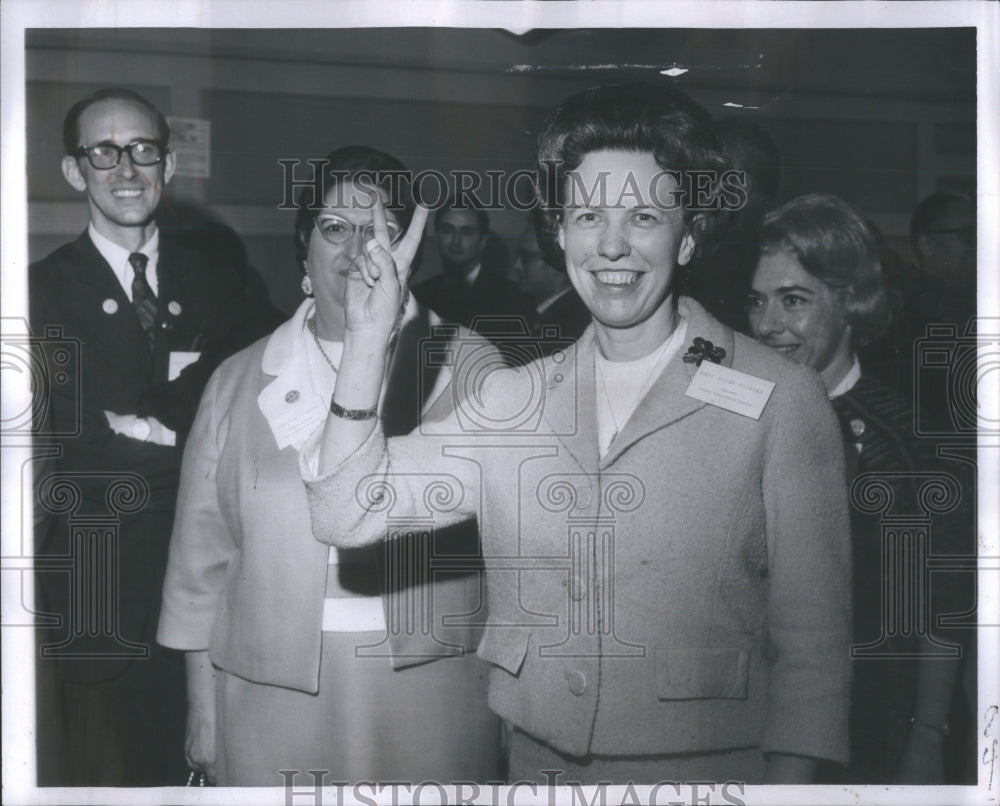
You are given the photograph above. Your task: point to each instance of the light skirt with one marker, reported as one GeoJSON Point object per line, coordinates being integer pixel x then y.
{"type": "Point", "coordinates": [367, 723]}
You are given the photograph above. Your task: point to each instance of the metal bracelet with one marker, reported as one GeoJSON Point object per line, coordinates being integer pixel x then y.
{"type": "Point", "coordinates": [352, 414]}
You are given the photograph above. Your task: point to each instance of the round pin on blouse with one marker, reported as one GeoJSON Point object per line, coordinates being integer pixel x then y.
{"type": "Point", "coordinates": [174, 308]}
{"type": "Point", "coordinates": [109, 306]}
{"type": "Point", "coordinates": [857, 426]}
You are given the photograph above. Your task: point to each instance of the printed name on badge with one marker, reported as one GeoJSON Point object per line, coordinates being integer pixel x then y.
{"type": "Point", "coordinates": [730, 389]}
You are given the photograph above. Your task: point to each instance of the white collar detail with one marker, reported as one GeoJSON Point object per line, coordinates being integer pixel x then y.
{"type": "Point", "coordinates": [847, 382]}
{"type": "Point", "coordinates": [117, 258]}
{"type": "Point", "coordinates": [295, 402]}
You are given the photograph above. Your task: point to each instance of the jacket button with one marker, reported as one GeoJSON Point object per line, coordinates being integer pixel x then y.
{"type": "Point", "coordinates": [576, 681]}
{"type": "Point", "coordinates": [577, 588]}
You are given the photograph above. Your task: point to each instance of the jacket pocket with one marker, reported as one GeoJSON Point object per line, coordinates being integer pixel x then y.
{"type": "Point", "coordinates": [505, 647]}
{"type": "Point", "coordinates": [691, 674]}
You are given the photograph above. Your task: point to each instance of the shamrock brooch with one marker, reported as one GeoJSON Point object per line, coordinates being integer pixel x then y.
{"type": "Point", "coordinates": [702, 350]}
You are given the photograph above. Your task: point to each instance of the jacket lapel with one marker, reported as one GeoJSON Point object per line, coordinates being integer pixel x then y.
{"type": "Point", "coordinates": [95, 279]}
{"type": "Point", "coordinates": [409, 380]}
{"type": "Point", "coordinates": [180, 289]}
{"type": "Point", "coordinates": [105, 310]}
{"type": "Point", "coordinates": [570, 407]}
{"type": "Point", "coordinates": [665, 402]}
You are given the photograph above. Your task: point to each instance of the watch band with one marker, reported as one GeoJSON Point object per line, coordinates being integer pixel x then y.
{"type": "Point", "coordinates": [352, 414]}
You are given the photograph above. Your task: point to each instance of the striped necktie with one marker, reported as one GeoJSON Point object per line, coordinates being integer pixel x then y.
{"type": "Point", "coordinates": [143, 298]}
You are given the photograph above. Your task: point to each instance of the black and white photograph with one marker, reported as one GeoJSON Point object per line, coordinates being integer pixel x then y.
{"type": "Point", "coordinates": [500, 402]}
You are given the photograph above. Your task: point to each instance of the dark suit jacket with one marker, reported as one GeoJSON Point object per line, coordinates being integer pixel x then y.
{"type": "Point", "coordinates": [493, 307]}
{"type": "Point", "coordinates": [884, 688]}
{"type": "Point", "coordinates": [201, 306]}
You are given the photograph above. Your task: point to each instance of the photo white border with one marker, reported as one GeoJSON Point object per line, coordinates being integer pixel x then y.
{"type": "Point", "coordinates": [18, 15]}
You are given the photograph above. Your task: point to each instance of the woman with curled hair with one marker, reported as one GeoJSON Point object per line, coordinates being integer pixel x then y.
{"type": "Point", "coordinates": [667, 576]}
{"type": "Point", "coordinates": [643, 117]}
{"type": "Point", "coordinates": [817, 295]}
{"type": "Point", "coordinates": [827, 239]}
{"type": "Point", "coordinates": [357, 663]}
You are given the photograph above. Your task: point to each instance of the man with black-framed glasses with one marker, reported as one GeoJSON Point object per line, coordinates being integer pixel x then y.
{"type": "Point", "coordinates": [152, 319]}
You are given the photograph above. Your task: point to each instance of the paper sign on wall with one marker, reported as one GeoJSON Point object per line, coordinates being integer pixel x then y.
{"type": "Point", "coordinates": [190, 140]}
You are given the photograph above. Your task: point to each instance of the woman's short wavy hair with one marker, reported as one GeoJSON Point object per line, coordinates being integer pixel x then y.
{"type": "Point", "coordinates": [643, 117]}
{"type": "Point", "coordinates": [832, 242]}
{"type": "Point", "coordinates": [344, 165]}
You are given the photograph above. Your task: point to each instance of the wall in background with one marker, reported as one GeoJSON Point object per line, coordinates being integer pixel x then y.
{"type": "Point", "coordinates": [860, 113]}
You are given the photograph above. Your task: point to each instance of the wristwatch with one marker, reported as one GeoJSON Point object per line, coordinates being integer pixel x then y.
{"type": "Point", "coordinates": [141, 429]}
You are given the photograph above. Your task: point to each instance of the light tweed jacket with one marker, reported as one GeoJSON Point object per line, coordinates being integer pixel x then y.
{"type": "Point", "coordinates": [687, 592]}
{"type": "Point", "coordinates": [245, 578]}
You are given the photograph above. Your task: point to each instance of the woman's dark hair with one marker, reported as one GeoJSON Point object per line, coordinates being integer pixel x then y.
{"type": "Point", "coordinates": [344, 165]}
{"type": "Point", "coordinates": [71, 123]}
{"type": "Point", "coordinates": [641, 117]}
{"type": "Point", "coordinates": [834, 244]}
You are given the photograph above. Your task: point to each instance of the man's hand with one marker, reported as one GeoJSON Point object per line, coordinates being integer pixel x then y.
{"type": "Point", "coordinates": [144, 429]}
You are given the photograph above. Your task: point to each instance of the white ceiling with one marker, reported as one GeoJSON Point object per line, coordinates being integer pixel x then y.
{"type": "Point", "coordinates": [920, 64]}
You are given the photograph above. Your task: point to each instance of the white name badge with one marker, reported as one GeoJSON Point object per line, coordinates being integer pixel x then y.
{"type": "Point", "coordinates": [178, 360]}
{"type": "Point", "coordinates": [730, 389]}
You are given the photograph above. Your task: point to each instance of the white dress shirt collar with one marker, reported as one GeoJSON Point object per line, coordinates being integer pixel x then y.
{"type": "Point", "coordinates": [548, 302]}
{"type": "Point", "coordinates": [117, 258]}
{"type": "Point", "coordinates": [470, 278]}
{"type": "Point", "coordinates": [847, 382]}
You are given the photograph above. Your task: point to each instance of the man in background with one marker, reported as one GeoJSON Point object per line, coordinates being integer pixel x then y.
{"type": "Point", "coordinates": [153, 319]}
{"type": "Point", "coordinates": [473, 290]}
{"type": "Point", "coordinates": [943, 238]}
{"type": "Point", "coordinates": [557, 305]}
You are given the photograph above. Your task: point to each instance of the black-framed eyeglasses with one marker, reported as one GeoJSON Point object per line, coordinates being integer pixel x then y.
{"type": "Point", "coordinates": [337, 230]}
{"type": "Point", "coordinates": [105, 156]}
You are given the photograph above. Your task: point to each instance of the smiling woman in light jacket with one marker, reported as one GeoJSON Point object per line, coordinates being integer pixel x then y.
{"type": "Point", "coordinates": [359, 663]}
{"type": "Point", "coordinates": [668, 578]}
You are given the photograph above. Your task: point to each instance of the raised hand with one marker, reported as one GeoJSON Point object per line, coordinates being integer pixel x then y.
{"type": "Point", "coordinates": [377, 279]}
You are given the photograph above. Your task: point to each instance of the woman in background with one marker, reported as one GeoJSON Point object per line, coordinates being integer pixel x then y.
{"type": "Point", "coordinates": [301, 657]}
{"type": "Point", "coordinates": [816, 296]}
